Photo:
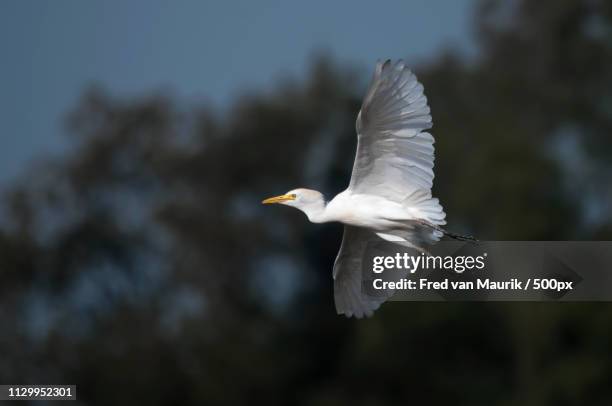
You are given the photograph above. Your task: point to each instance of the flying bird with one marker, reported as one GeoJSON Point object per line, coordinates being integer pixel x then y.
{"type": "Point", "coordinates": [389, 194]}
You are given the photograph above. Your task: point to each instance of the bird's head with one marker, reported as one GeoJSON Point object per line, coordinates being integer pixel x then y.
{"type": "Point", "coordinates": [311, 202]}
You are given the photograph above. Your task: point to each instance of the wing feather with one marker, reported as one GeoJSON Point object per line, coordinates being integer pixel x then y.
{"type": "Point", "coordinates": [394, 156]}
{"type": "Point", "coordinates": [348, 281]}
{"type": "Point", "coordinates": [394, 160]}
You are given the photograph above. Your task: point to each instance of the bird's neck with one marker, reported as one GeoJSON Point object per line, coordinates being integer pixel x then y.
{"type": "Point", "coordinates": [316, 212]}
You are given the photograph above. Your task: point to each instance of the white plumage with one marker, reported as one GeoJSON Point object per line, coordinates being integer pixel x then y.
{"type": "Point", "coordinates": [389, 195]}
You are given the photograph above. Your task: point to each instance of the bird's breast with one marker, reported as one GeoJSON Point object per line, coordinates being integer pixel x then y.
{"type": "Point", "coordinates": [371, 212]}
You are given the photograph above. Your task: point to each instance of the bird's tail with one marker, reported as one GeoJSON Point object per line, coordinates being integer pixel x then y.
{"type": "Point", "coordinates": [432, 218]}
{"type": "Point", "coordinates": [427, 207]}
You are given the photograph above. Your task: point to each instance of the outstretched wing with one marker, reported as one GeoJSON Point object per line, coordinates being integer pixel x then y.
{"type": "Point", "coordinates": [394, 156]}
{"type": "Point", "coordinates": [348, 280]}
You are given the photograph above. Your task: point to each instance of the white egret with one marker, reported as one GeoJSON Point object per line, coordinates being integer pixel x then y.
{"type": "Point", "coordinates": [389, 194]}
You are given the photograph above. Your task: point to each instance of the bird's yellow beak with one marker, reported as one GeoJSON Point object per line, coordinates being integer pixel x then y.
{"type": "Point", "coordinates": [278, 199]}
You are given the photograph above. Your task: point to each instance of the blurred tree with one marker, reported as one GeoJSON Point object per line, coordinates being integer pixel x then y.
{"type": "Point", "coordinates": [133, 267]}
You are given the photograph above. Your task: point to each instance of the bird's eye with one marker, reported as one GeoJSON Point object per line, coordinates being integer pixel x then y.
{"type": "Point", "coordinates": [293, 195]}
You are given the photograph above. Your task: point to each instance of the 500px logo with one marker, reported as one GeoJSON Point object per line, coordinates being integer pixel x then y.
{"type": "Point", "coordinates": [459, 264]}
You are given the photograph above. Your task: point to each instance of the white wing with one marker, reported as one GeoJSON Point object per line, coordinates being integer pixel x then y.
{"type": "Point", "coordinates": [394, 156]}
{"type": "Point", "coordinates": [394, 160]}
{"type": "Point", "coordinates": [348, 281]}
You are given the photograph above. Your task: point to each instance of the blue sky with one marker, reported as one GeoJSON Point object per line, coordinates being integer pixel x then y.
{"type": "Point", "coordinates": [199, 50]}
